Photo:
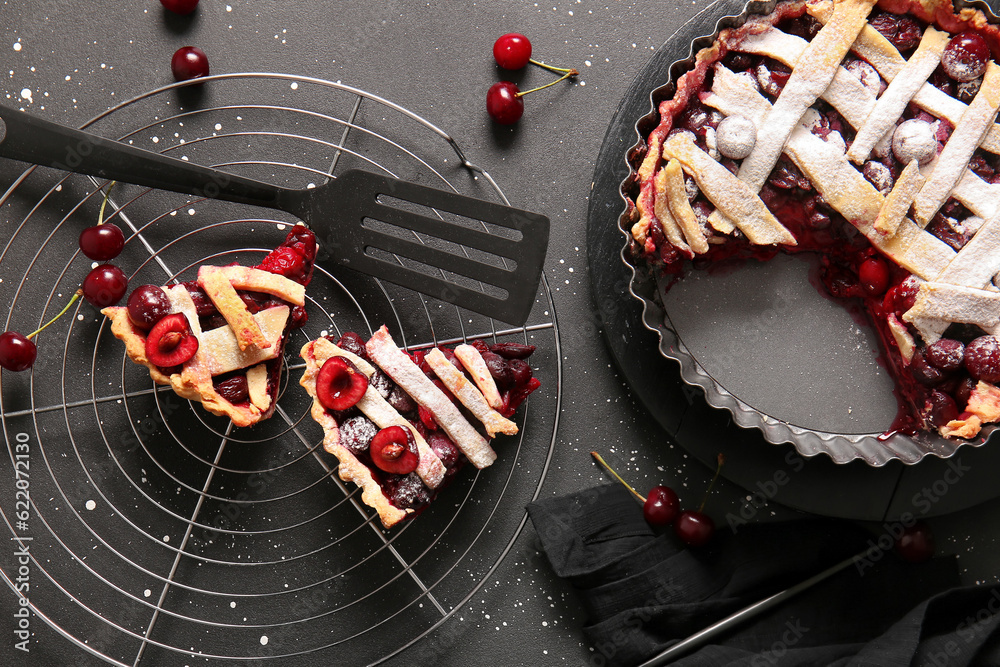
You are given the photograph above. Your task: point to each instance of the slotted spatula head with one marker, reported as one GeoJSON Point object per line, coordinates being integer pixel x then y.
{"type": "Point", "coordinates": [482, 256]}
{"type": "Point", "coordinates": [476, 254]}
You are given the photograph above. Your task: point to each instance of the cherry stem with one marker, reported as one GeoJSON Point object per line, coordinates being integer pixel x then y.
{"type": "Point", "coordinates": [62, 312]}
{"type": "Point", "coordinates": [721, 459]}
{"type": "Point", "coordinates": [553, 68]}
{"type": "Point", "coordinates": [568, 74]}
{"type": "Point", "coordinates": [616, 476]}
{"type": "Point", "coordinates": [107, 195]}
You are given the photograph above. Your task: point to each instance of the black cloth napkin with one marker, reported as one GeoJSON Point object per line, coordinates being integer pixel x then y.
{"type": "Point", "coordinates": [643, 591]}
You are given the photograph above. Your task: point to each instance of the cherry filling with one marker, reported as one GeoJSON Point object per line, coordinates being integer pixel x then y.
{"type": "Point", "coordinates": [934, 384]}
{"type": "Point", "coordinates": [390, 454]}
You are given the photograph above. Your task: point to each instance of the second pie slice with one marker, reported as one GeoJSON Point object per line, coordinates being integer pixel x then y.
{"type": "Point", "coordinates": [219, 339]}
{"type": "Point", "coordinates": [402, 423]}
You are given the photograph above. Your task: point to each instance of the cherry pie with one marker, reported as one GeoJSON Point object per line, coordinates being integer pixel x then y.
{"type": "Point", "coordinates": [403, 423]}
{"type": "Point", "coordinates": [219, 339]}
{"type": "Point", "coordinates": [866, 132]}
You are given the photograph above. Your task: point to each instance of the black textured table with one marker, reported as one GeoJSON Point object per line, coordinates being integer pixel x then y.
{"type": "Point", "coordinates": [70, 62]}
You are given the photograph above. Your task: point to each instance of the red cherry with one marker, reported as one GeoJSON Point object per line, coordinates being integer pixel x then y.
{"type": "Point", "coordinates": [916, 543]}
{"type": "Point", "coordinates": [874, 276]}
{"type": "Point", "coordinates": [170, 342]}
{"type": "Point", "coordinates": [180, 6]}
{"type": "Point", "coordinates": [512, 51]}
{"type": "Point", "coordinates": [661, 506]}
{"type": "Point", "coordinates": [147, 305]}
{"type": "Point", "coordinates": [965, 57]}
{"type": "Point", "coordinates": [339, 384]}
{"type": "Point", "coordinates": [503, 103]}
{"type": "Point", "coordinates": [17, 352]}
{"type": "Point", "coordinates": [105, 286]}
{"type": "Point", "coordinates": [694, 528]}
{"type": "Point", "coordinates": [102, 242]}
{"type": "Point", "coordinates": [982, 359]}
{"type": "Point", "coordinates": [189, 62]}
{"type": "Point", "coordinates": [394, 450]}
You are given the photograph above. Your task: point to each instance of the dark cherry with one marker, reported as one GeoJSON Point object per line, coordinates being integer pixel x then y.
{"type": "Point", "coordinates": [189, 62]}
{"type": "Point", "coordinates": [661, 506]}
{"type": "Point", "coordinates": [499, 369]}
{"type": "Point", "coordinates": [444, 448]}
{"type": "Point", "coordinates": [963, 391]}
{"type": "Point", "coordinates": [965, 57]}
{"type": "Point", "coordinates": [916, 543]}
{"type": "Point", "coordinates": [401, 401]}
{"type": "Point", "coordinates": [873, 274]}
{"type": "Point", "coordinates": [171, 342]}
{"type": "Point", "coordinates": [17, 352]}
{"type": "Point", "coordinates": [104, 286]}
{"type": "Point", "coordinates": [982, 359]}
{"type": "Point", "coordinates": [904, 32]}
{"type": "Point", "coordinates": [285, 261]}
{"type": "Point", "coordinates": [234, 389]}
{"type": "Point", "coordinates": [353, 343]}
{"type": "Point", "coordinates": [512, 51]}
{"type": "Point", "coordinates": [339, 384]}
{"type": "Point", "coordinates": [923, 372]}
{"type": "Point", "coordinates": [102, 242]}
{"type": "Point", "coordinates": [939, 409]}
{"type": "Point", "coordinates": [408, 492]}
{"type": "Point", "coordinates": [520, 372]}
{"type": "Point", "coordinates": [180, 6]}
{"type": "Point", "coordinates": [356, 434]}
{"type": "Point", "coordinates": [147, 305]}
{"type": "Point", "coordinates": [512, 350]}
{"type": "Point", "coordinates": [694, 528]}
{"type": "Point", "coordinates": [504, 103]}
{"type": "Point", "coordinates": [394, 450]}
{"type": "Point", "coordinates": [945, 354]}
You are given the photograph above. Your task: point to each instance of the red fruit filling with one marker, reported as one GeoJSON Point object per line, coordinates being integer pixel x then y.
{"type": "Point", "coordinates": [170, 342]}
{"type": "Point", "coordinates": [394, 450]}
{"type": "Point", "coordinates": [851, 267]}
{"type": "Point", "coordinates": [340, 385]}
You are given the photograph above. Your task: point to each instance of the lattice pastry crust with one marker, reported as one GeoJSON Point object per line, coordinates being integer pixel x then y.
{"type": "Point", "coordinates": [882, 144]}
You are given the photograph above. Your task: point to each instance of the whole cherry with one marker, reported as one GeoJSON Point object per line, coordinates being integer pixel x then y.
{"type": "Point", "coordinates": [102, 242]}
{"type": "Point", "coordinates": [659, 508]}
{"type": "Point", "coordinates": [180, 6]}
{"type": "Point", "coordinates": [916, 543]}
{"type": "Point", "coordinates": [695, 528]}
{"type": "Point", "coordinates": [503, 100]}
{"type": "Point", "coordinates": [17, 352]}
{"type": "Point", "coordinates": [189, 62]}
{"type": "Point", "coordinates": [512, 51]}
{"type": "Point", "coordinates": [105, 285]}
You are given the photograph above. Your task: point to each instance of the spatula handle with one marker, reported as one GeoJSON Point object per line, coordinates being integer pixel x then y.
{"type": "Point", "coordinates": [37, 141]}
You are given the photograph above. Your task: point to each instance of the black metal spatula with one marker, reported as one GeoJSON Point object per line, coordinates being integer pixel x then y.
{"type": "Point", "coordinates": [479, 255]}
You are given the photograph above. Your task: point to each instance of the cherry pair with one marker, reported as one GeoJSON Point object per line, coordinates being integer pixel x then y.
{"type": "Point", "coordinates": [503, 100]}
{"type": "Point", "coordinates": [661, 508]}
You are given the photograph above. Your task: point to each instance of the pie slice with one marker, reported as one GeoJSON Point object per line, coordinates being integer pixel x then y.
{"type": "Point", "coordinates": [402, 423]}
{"type": "Point", "coordinates": [219, 339]}
{"type": "Point", "coordinates": [863, 130]}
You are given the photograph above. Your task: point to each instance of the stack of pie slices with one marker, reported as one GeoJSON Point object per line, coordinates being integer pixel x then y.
{"type": "Point", "coordinates": [403, 423]}
{"type": "Point", "coordinates": [864, 131]}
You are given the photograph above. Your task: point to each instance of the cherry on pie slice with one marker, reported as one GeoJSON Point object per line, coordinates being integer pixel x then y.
{"type": "Point", "coordinates": [864, 131]}
{"type": "Point", "coordinates": [219, 339]}
{"type": "Point", "coordinates": [401, 423]}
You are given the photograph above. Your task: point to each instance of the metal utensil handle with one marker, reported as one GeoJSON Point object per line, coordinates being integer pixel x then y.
{"type": "Point", "coordinates": [37, 141]}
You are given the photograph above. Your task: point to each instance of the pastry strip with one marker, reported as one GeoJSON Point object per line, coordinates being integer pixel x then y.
{"type": "Point", "coordinates": [222, 293]}
{"type": "Point", "coordinates": [219, 345]}
{"type": "Point", "coordinates": [728, 193]}
{"type": "Point", "coordinates": [258, 280]}
{"type": "Point", "coordinates": [469, 395]}
{"type": "Point", "coordinates": [680, 207]}
{"type": "Point", "coordinates": [956, 303]}
{"type": "Point", "coordinates": [412, 380]}
{"type": "Point", "coordinates": [474, 363]}
{"type": "Point", "coordinates": [813, 72]}
{"type": "Point", "coordinates": [661, 208]}
{"type": "Point", "coordinates": [955, 155]}
{"type": "Point", "coordinates": [904, 86]}
{"type": "Point", "coordinates": [899, 199]}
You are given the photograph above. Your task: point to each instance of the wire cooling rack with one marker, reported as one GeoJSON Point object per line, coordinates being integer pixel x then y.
{"type": "Point", "coordinates": [153, 533]}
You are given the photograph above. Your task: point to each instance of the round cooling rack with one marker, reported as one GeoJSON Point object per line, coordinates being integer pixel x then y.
{"type": "Point", "coordinates": [152, 532]}
{"type": "Point", "coordinates": [684, 354]}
